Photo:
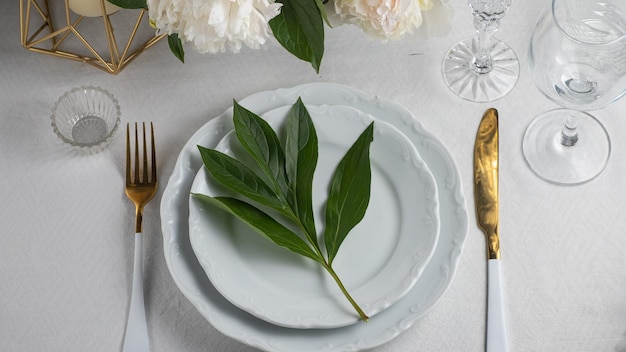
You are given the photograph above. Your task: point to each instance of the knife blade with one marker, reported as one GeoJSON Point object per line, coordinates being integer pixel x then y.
{"type": "Point", "coordinates": [486, 200]}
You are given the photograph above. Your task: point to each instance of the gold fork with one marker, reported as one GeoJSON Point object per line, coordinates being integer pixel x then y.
{"type": "Point", "coordinates": [140, 188]}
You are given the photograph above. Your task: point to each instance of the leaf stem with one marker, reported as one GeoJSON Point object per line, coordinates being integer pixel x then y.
{"type": "Point", "coordinates": [332, 273]}
{"type": "Point", "coordinates": [311, 237]}
{"type": "Point", "coordinates": [328, 266]}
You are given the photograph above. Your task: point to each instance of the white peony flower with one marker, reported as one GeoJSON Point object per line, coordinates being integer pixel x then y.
{"type": "Point", "coordinates": [384, 19]}
{"type": "Point", "coordinates": [211, 26]}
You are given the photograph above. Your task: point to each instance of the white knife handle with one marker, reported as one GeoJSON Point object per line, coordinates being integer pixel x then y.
{"type": "Point", "coordinates": [496, 328]}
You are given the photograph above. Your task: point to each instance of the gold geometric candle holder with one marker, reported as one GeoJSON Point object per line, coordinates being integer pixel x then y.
{"type": "Point", "coordinates": [77, 34]}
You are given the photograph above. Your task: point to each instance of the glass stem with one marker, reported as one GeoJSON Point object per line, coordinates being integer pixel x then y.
{"type": "Point", "coordinates": [569, 133]}
{"type": "Point", "coordinates": [482, 62]}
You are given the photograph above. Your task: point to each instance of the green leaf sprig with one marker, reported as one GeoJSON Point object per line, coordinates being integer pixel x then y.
{"type": "Point", "coordinates": [284, 183]}
{"type": "Point", "coordinates": [299, 28]}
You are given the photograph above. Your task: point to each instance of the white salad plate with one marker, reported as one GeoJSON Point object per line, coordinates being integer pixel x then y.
{"type": "Point", "coordinates": [437, 276]}
{"type": "Point", "coordinates": [379, 261]}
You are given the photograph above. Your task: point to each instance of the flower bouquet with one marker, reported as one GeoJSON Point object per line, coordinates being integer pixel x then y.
{"type": "Point", "coordinates": [212, 26]}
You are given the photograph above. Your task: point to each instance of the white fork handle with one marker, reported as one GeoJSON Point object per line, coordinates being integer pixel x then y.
{"type": "Point", "coordinates": [496, 325]}
{"type": "Point", "coordinates": [136, 338]}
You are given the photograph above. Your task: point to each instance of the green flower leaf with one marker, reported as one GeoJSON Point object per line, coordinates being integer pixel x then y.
{"type": "Point", "coordinates": [322, 8]}
{"type": "Point", "coordinates": [262, 223]}
{"type": "Point", "coordinates": [240, 179]}
{"type": "Point", "coordinates": [301, 152]}
{"type": "Point", "coordinates": [176, 46]}
{"type": "Point", "coordinates": [349, 193]}
{"type": "Point", "coordinates": [262, 143]}
{"type": "Point", "coordinates": [299, 28]}
{"type": "Point", "coordinates": [130, 4]}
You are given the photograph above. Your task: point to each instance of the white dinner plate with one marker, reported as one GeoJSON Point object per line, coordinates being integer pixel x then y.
{"type": "Point", "coordinates": [240, 325]}
{"type": "Point", "coordinates": [379, 261]}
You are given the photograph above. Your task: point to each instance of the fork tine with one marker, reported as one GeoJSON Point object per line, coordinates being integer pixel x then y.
{"type": "Point", "coordinates": [153, 162]}
{"type": "Point", "coordinates": [145, 157]}
{"type": "Point", "coordinates": [140, 190]}
{"type": "Point", "coordinates": [136, 180]}
{"type": "Point", "coordinates": [128, 174]}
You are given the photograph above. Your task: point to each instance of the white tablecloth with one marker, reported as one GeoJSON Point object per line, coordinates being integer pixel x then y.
{"type": "Point", "coordinates": [66, 243]}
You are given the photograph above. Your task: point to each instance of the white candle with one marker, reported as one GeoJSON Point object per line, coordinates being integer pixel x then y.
{"type": "Point", "coordinates": [91, 8]}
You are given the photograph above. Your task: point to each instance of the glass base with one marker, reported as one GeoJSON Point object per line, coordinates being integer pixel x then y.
{"type": "Point", "coordinates": [89, 129]}
{"type": "Point", "coordinates": [473, 84]}
{"type": "Point", "coordinates": [555, 162]}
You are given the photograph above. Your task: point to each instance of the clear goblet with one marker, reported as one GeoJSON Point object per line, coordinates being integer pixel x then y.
{"type": "Point", "coordinates": [578, 60]}
{"type": "Point", "coordinates": [482, 68]}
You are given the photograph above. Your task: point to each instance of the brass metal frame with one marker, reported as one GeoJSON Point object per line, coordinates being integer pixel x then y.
{"type": "Point", "coordinates": [46, 39]}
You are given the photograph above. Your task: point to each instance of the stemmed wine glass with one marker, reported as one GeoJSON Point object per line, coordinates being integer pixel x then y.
{"type": "Point", "coordinates": [578, 60]}
{"type": "Point", "coordinates": [482, 68]}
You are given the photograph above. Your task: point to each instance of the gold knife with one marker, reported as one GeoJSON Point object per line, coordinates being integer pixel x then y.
{"type": "Point", "coordinates": [486, 199]}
